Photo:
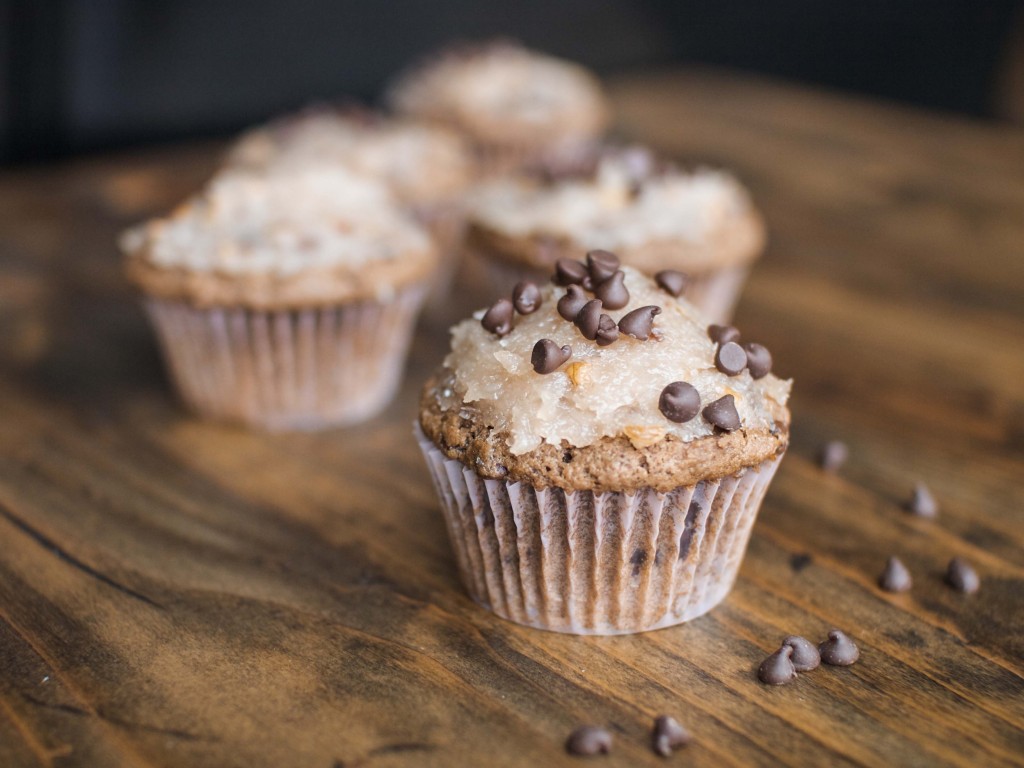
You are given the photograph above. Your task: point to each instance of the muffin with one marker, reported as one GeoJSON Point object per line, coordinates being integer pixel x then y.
{"type": "Point", "coordinates": [428, 168]}
{"type": "Point", "coordinates": [600, 475]}
{"type": "Point", "coordinates": [651, 214]}
{"type": "Point", "coordinates": [516, 106]}
{"type": "Point", "coordinates": [284, 300]}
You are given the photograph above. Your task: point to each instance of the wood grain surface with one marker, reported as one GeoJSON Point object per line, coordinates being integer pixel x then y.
{"type": "Point", "coordinates": [186, 594]}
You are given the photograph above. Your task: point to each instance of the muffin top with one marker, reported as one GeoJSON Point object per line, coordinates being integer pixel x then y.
{"type": "Point", "coordinates": [280, 239]}
{"type": "Point", "coordinates": [503, 92]}
{"type": "Point", "coordinates": [650, 213]}
{"type": "Point", "coordinates": [421, 164]}
{"type": "Point", "coordinates": [634, 391]}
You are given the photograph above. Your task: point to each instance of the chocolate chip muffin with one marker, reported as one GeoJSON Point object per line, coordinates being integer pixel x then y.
{"type": "Point", "coordinates": [599, 452]}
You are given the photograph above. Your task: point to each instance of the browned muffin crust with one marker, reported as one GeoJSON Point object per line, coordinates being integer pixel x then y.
{"type": "Point", "coordinates": [611, 464]}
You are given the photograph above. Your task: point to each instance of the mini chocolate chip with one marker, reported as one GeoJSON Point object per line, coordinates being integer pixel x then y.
{"type": "Point", "coordinates": [895, 577]}
{"type": "Point", "coordinates": [526, 297]}
{"type": "Point", "coordinates": [602, 265]}
{"type": "Point", "coordinates": [839, 650]}
{"type": "Point", "coordinates": [778, 668]}
{"type": "Point", "coordinates": [805, 656]}
{"type": "Point", "coordinates": [720, 334]}
{"type": "Point", "coordinates": [589, 318]}
{"type": "Point", "coordinates": [722, 414]}
{"type": "Point", "coordinates": [962, 577]}
{"type": "Point", "coordinates": [570, 272]}
{"type": "Point", "coordinates": [671, 281]}
{"type": "Point", "coordinates": [730, 358]}
{"type": "Point", "coordinates": [498, 319]}
{"type": "Point", "coordinates": [570, 305]}
{"type": "Point", "coordinates": [639, 322]}
{"type": "Point", "coordinates": [589, 740]}
{"type": "Point", "coordinates": [759, 360]}
{"type": "Point", "coordinates": [548, 357]}
{"type": "Point", "coordinates": [679, 402]}
{"type": "Point", "coordinates": [833, 455]}
{"type": "Point", "coordinates": [612, 292]}
{"type": "Point", "coordinates": [607, 331]}
{"type": "Point", "coordinates": [922, 503]}
{"type": "Point", "coordinates": [668, 734]}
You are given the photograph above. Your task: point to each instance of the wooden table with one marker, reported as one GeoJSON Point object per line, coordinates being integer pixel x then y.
{"type": "Point", "coordinates": [181, 593]}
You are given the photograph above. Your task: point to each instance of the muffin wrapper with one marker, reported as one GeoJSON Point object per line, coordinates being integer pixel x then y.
{"type": "Point", "coordinates": [300, 369]}
{"type": "Point", "coordinates": [591, 563]}
{"type": "Point", "coordinates": [446, 223]}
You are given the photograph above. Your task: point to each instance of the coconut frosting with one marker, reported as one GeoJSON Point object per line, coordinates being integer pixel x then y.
{"type": "Point", "coordinates": [604, 391]}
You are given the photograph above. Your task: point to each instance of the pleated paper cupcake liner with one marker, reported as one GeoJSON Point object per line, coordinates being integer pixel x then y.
{"type": "Point", "coordinates": [301, 369]}
{"type": "Point", "coordinates": [591, 563]}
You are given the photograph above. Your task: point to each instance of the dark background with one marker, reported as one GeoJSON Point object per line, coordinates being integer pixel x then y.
{"type": "Point", "coordinates": [93, 74]}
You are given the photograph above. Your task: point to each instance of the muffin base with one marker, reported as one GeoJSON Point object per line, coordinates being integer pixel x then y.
{"type": "Point", "coordinates": [301, 369]}
{"type": "Point", "coordinates": [590, 563]}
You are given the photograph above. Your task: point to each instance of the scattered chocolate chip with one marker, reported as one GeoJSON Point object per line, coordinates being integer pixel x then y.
{"type": "Point", "coordinates": [679, 402]}
{"type": "Point", "coordinates": [570, 272]}
{"type": "Point", "coordinates": [526, 297]}
{"type": "Point", "coordinates": [722, 414]}
{"type": "Point", "coordinates": [962, 577]}
{"type": "Point", "coordinates": [895, 577]}
{"type": "Point", "coordinates": [570, 305]}
{"type": "Point", "coordinates": [667, 735]}
{"type": "Point", "coordinates": [833, 455]}
{"type": "Point", "coordinates": [639, 322]}
{"type": "Point", "coordinates": [800, 561]}
{"type": "Point", "coordinates": [778, 668]}
{"type": "Point", "coordinates": [602, 265]}
{"type": "Point", "coordinates": [922, 503]}
{"type": "Point", "coordinates": [720, 334]}
{"type": "Point", "coordinates": [612, 292]}
{"type": "Point", "coordinates": [671, 281]}
{"type": "Point", "coordinates": [589, 318]}
{"type": "Point", "coordinates": [589, 740]}
{"type": "Point", "coordinates": [498, 319]}
{"type": "Point", "coordinates": [805, 656]}
{"type": "Point", "coordinates": [548, 357]}
{"type": "Point", "coordinates": [759, 360]}
{"type": "Point", "coordinates": [839, 650]}
{"type": "Point", "coordinates": [607, 331]}
{"type": "Point", "coordinates": [730, 358]}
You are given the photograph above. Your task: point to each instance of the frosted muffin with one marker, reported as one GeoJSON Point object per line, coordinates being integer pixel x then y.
{"type": "Point", "coordinates": [284, 300]}
{"type": "Point", "coordinates": [600, 453]}
{"type": "Point", "coordinates": [516, 106]}
{"type": "Point", "coordinates": [652, 215]}
{"type": "Point", "coordinates": [428, 168]}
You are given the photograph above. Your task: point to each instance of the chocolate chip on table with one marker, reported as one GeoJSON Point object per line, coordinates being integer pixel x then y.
{"type": "Point", "coordinates": [570, 305]}
{"type": "Point", "coordinates": [962, 577]}
{"type": "Point", "coordinates": [839, 650]}
{"type": "Point", "coordinates": [833, 455]}
{"type": "Point", "coordinates": [570, 272]}
{"type": "Point", "coordinates": [548, 357]}
{"type": "Point", "coordinates": [759, 360]}
{"type": "Point", "coordinates": [588, 319]}
{"type": "Point", "coordinates": [722, 414]}
{"type": "Point", "coordinates": [679, 402]}
{"type": "Point", "coordinates": [922, 503]}
{"type": "Point", "coordinates": [730, 358]}
{"type": "Point", "coordinates": [895, 577]}
{"type": "Point", "coordinates": [607, 331]}
{"type": "Point", "coordinates": [498, 319]}
{"type": "Point", "coordinates": [602, 265]}
{"type": "Point", "coordinates": [589, 740]}
{"type": "Point", "coordinates": [720, 334]}
{"type": "Point", "coordinates": [671, 281]}
{"type": "Point", "coordinates": [612, 292]}
{"type": "Point", "coordinates": [778, 669]}
{"type": "Point", "coordinates": [639, 322]}
{"type": "Point", "coordinates": [805, 655]}
{"type": "Point", "coordinates": [526, 297]}
{"type": "Point", "coordinates": [668, 734]}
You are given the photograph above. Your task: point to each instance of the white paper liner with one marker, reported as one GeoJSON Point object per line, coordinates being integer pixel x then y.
{"type": "Point", "coordinates": [590, 563]}
{"type": "Point", "coordinates": [291, 369]}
